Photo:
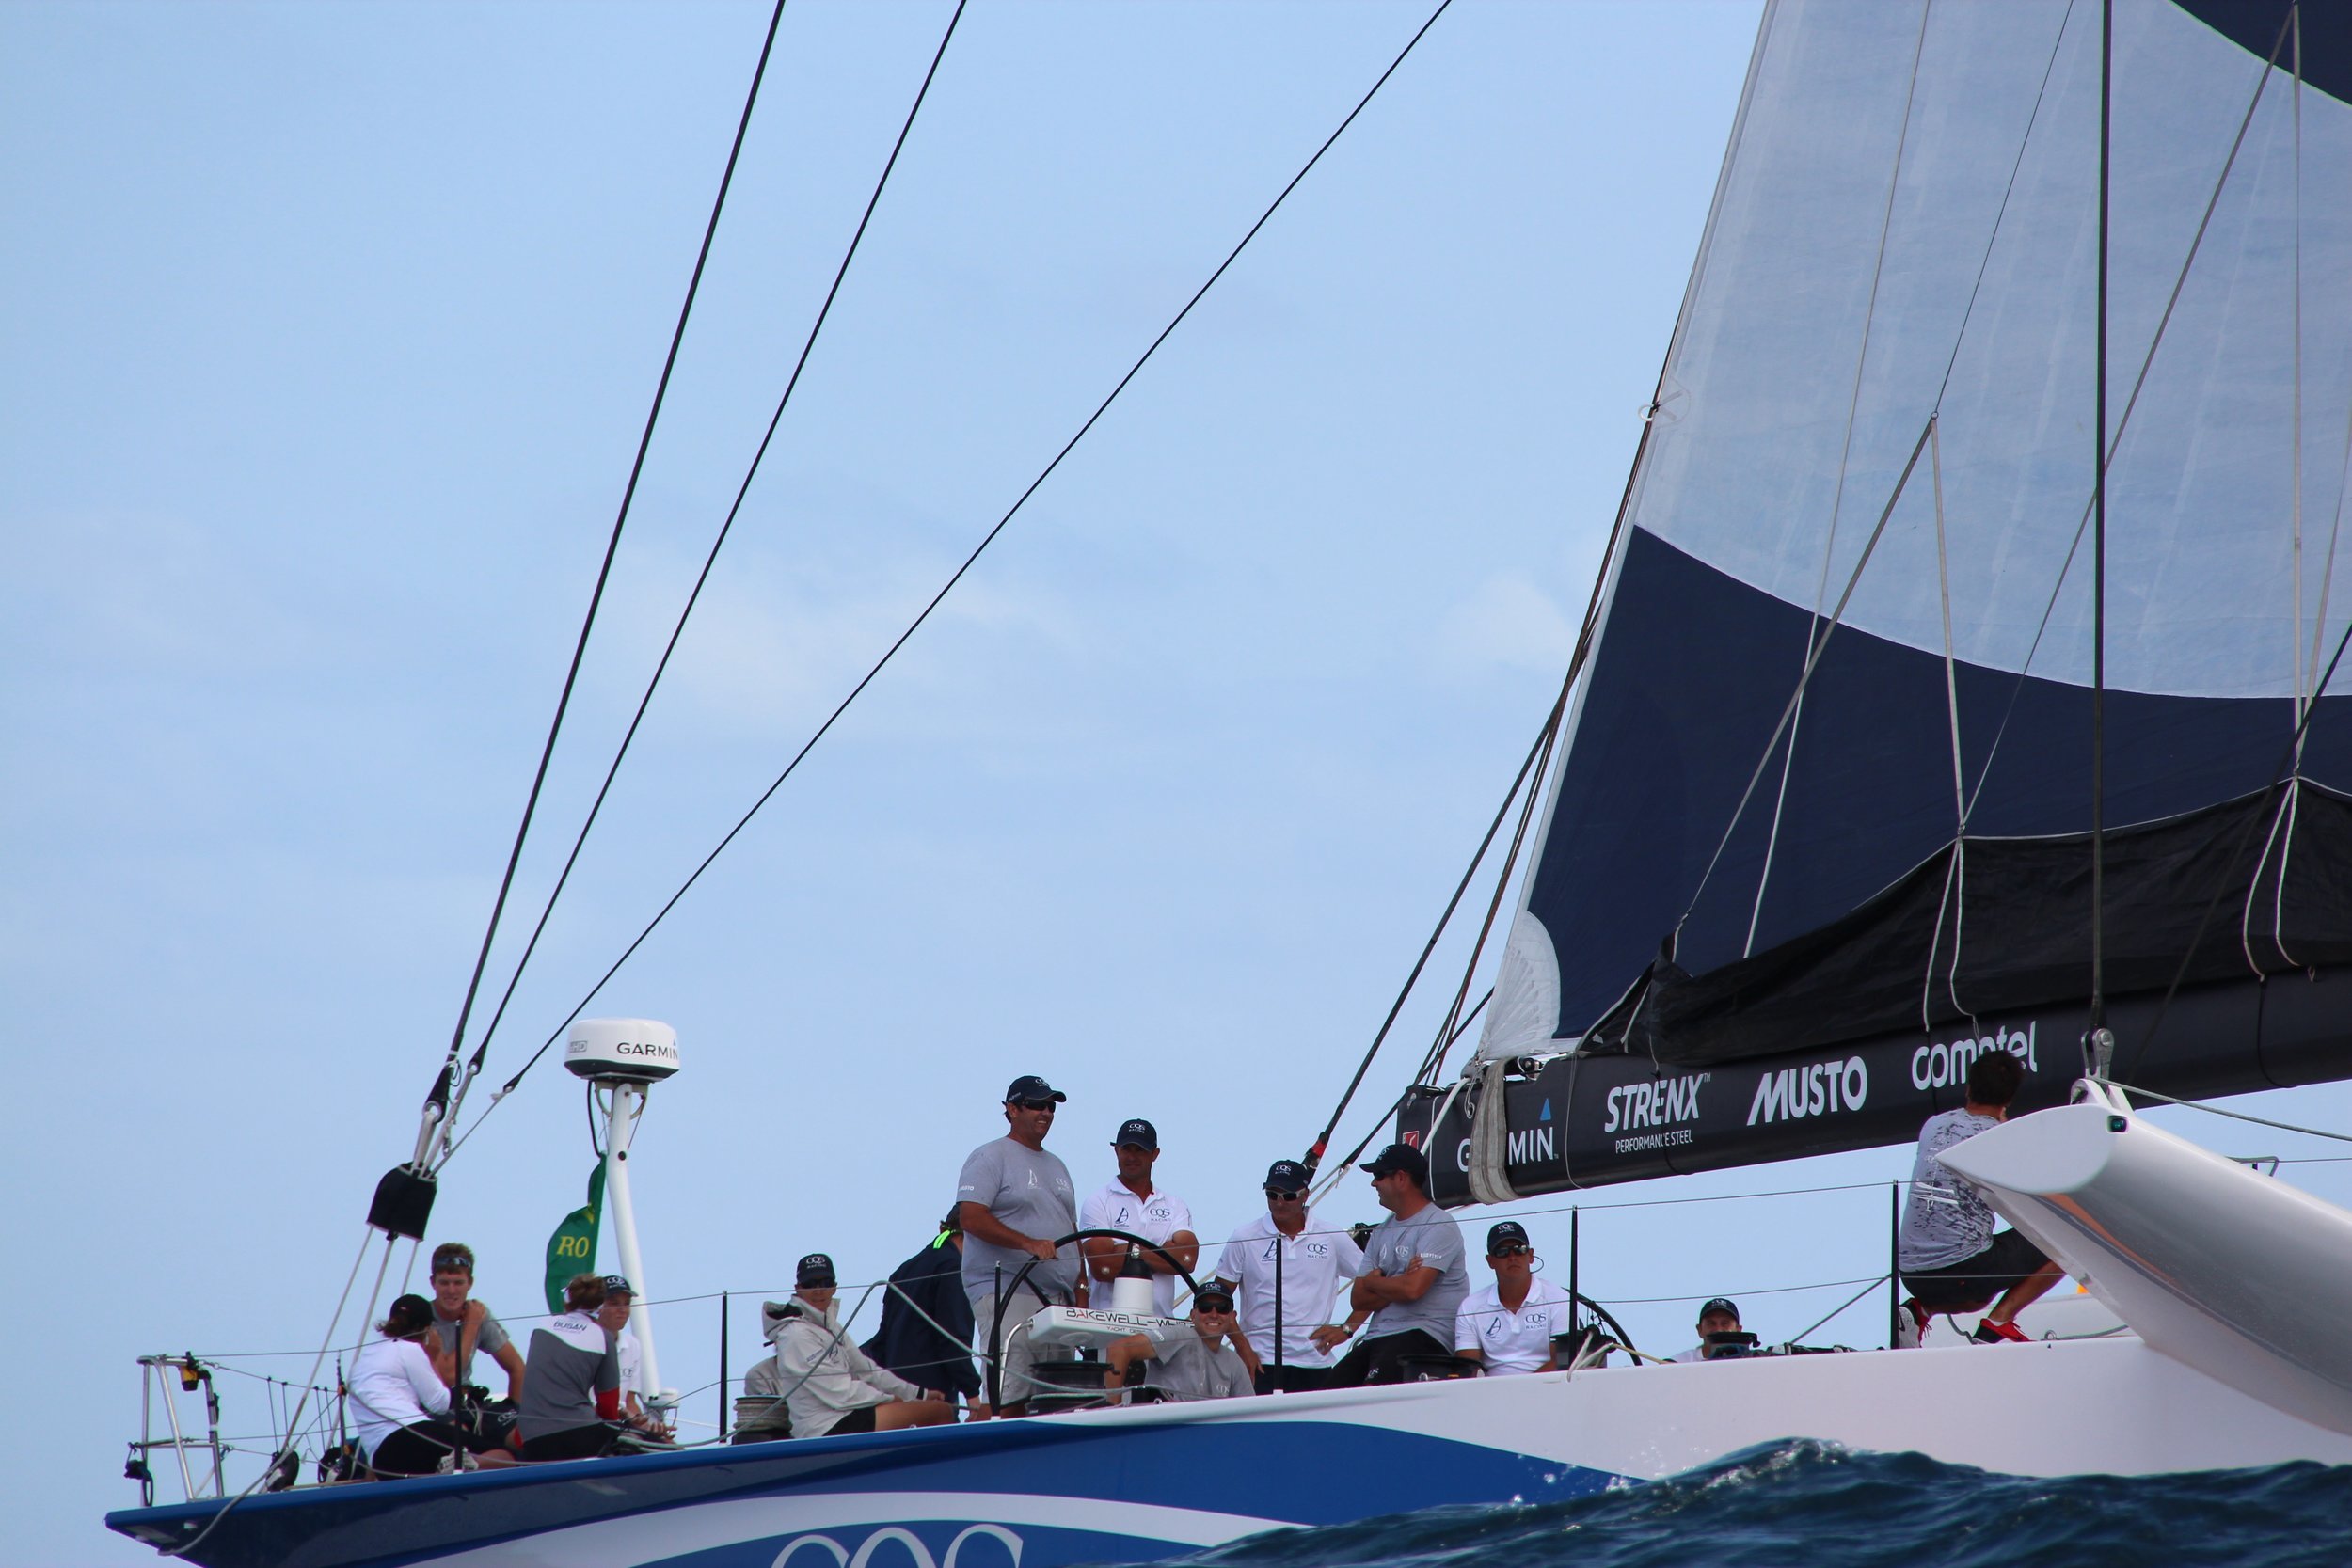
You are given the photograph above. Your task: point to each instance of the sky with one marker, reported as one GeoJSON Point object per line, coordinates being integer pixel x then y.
{"type": "Point", "coordinates": [336, 327]}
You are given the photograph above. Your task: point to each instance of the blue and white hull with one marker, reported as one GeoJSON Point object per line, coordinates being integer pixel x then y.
{"type": "Point", "coordinates": [1163, 1481]}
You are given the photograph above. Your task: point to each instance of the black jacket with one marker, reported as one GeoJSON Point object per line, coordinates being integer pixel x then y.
{"type": "Point", "coordinates": [933, 1278]}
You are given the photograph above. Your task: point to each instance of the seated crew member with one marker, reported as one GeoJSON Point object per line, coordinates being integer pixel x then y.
{"type": "Point", "coordinates": [830, 1387]}
{"type": "Point", "coordinates": [1129, 1202]}
{"type": "Point", "coordinates": [1507, 1327]}
{"type": "Point", "coordinates": [1286, 1272]}
{"type": "Point", "coordinates": [572, 1392]}
{"type": "Point", "coordinates": [1015, 1201]}
{"type": "Point", "coordinates": [926, 1332]}
{"type": "Point", "coordinates": [1717, 1315]}
{"type": "Point", "coordinates": [619, 1296]}
{"type": "Point", "coordinates": [395, 1390]}
{"type": "Point", "coordinates": [464, 1325]}
{"type": "Point", "coordinates": [1414, 1280]}
{"type": "Point", "coordinates": [765, 1380]}
{"type": "Point", "coordinates": [1188, 1361]}
{"type": "Point", "coordinates": [1949, 1258]}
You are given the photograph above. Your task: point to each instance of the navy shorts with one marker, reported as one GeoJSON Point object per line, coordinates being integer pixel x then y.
{"type": "Point", "coordinates": [1974, 1282]}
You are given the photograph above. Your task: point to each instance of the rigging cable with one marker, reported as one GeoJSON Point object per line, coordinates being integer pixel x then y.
{"type": "Point", "coordinates": [742, 490]}
{"type": "Point", "coordinates": [1543, 742]}
{"type": "Point", "coordinates": [957, 576]}
{"type": "Point", "coordinates": [604, 571]}
{"type": "Point", "coordinates": [2098, 1044]}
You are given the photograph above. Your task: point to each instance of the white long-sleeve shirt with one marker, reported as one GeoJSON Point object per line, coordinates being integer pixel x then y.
{"type": "Point", "coordinates": [392, 1384]}
{"type": "Point", "coordinates": [825, 1376]}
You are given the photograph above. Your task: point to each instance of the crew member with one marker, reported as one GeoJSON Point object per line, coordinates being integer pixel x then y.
{"type": "Point", "coordinates": [1016, 1201]}
{"type": "Point", "coordinates": [465, 1325]}
{"type": "Point", "coordinates": [1286, 1270]}
{"type": "Point", "coordinates": [830, 1387]}
{"type": "Point", "coordinates": [396, 1389]}
{"type": "Point", "coordinates": [1188, 1361]}
{"type": "Point", "coordinates": [765, 1381]}
{"type": "Point", "coordinates": [1129, 1202]}
{"type": "Point", "coordinates": [1414, 1280]}
{"type": "Point", "coordinates": [1507, 1327]}
{"type": "Point", "coordinates": [1950, 1258]}
{"type": "Point", "coordinates": [573, 1390]}
{"type": "Point", "coordinates": [1717, 1315]}
{"type": "Point", "coordinates": [926, 1332]}
{"type": "Point", "coordinates": [619, 1295]}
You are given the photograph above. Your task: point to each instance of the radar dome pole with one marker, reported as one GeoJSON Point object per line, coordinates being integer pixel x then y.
{"type": "Point", "coordinates": [624, 1057]}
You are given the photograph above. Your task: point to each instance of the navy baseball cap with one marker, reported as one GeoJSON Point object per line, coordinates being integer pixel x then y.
{"type": "Point", "coordinates": [619, 1285]}
{"type": "Point", "coordinates": [1140, 1134]}
{"type": "Point", "coordinates": [1506, 1237]}
{"type": "Point", "coordinates": [1288, 1176]}
{"type": "Point", "coordinates": [814, 1269]}
{"type": "Point", "coordinates": [1030, 1087]}
{"type": "Point", "coordinates": [1401, 1157]}
{"type": "Point", "coordinates": [1722, 1305]}
{"type": "Point", "coordinates": [1213, 1297]}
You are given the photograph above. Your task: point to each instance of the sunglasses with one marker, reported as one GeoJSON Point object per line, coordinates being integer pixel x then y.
{"type": "Point", "coordinates": [1511, 1252]}
{"type": "Point", "coordinates": [1034, 1104]}
{"type": "Point", "coordinates": [1286, 1195]}
{"type": "Point", "coordinates": [1213, 1304]}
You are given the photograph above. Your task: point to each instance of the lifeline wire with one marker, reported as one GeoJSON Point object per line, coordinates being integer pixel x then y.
{"type": "Point", "coordinates": [989, 538]}
{"type": "Point", "coordinates": [604, 571]}
{"type": "Point", "coordinates": [710, 559]}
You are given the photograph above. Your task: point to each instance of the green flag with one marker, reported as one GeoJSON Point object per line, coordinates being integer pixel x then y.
{"type": "Point", "coordinates": [572, 1247]}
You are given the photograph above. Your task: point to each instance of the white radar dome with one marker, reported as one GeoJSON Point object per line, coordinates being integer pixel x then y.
{"type": "Point", "coordinates": [637, 1049]}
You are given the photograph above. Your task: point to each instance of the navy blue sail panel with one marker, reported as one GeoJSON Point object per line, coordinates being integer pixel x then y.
{"type": "Point", "coordinates": [1671, 731]}
{"type": "Point", "coordinates": [1876, 414]}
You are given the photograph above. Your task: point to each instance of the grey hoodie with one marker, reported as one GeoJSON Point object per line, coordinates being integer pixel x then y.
{"type": "Point", "coordinates": [818, 1369]}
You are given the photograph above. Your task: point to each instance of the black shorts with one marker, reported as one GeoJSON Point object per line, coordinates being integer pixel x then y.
{"type": "Point", "coordinates": [416, 1450]}
{"type": "Point", "coordinates": [855, 1421]}
{"type": "Point", "coordinates": [571, 1443]}
{"type": "Point", "coordinates": [1974, 1282]}
{"type": "Point", "coordinates": [1272, 1379]}
{"type": "Point", "coordinates": [1382, 1360]}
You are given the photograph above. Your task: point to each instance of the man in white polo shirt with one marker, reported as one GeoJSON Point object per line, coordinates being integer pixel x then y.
{"type": "Point", "coordinates": [1288, 1270]}
{"type": "Point", "coordinates": [1508, 1326]}
{"type": "Point", "coordinates": [1129, 1202]}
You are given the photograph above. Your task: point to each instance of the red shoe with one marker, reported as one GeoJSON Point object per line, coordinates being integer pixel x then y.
{"type": "Point", "coordinates": [1990, 1333]}
{"type": "Point", "coordinates": [1913, 1326]}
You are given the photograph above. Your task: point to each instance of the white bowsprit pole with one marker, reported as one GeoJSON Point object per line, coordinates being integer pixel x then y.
{"type": "Point", "coordinates": [624, 1057]}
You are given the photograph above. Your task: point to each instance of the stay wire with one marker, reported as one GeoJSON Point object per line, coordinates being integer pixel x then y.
{"type": "Point", "coordinates": [989, 538]}
{"type": "Point", "coordinates": [710, 559]}
{"type": "Point", "coordinates": [612, 546]}
{"type": "Point", "coordinates": [1535, 751]}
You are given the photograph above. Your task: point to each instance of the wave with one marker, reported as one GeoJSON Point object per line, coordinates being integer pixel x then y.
{"type": "Point", "coordinates": [1805, 1504]}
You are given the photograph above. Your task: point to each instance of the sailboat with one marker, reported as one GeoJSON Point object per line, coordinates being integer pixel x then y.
{"type": "Point", "coordinates": [1958, 682]}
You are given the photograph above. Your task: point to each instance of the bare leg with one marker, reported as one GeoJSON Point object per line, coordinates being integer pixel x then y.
{"type": "Point", "coordinates": [912, 1413]}
{"type": "Point", "coordinates": [498, 1459]}
{"type": "Point", "coordinates": [977, 1410]}
{"type": "Point", "coordinates": [2026, 1291]}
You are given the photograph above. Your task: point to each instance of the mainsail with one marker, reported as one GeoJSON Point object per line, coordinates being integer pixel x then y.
{"type": "Point", "coordinates": [1818, 833]}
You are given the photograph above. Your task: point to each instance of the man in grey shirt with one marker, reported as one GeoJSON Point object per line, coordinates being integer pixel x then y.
{"type": "Point", "coordinates": [1190, 1361]}
{"type": "Point", "coordinates": [1416, 1274]}
{"type": "Point", "coordinates": [1015, 1201]}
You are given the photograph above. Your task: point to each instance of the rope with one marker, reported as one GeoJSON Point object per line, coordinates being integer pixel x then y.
{"type": "Point", "coordinates": [978, 550]}
{"type": "Point", "coordinates": [612, 546]}
{"type": "Point", "coordinates": [692, 598]}
{"type": "Point", "coordinates": [2235, 1116]}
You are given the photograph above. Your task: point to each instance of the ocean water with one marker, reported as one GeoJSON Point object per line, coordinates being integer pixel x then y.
{"type": "Point", "coordinates": [1812, 1505]}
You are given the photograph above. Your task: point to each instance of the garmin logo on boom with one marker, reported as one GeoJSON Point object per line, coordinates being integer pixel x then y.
{"type": "Point", "coordinates": [1814, 1090]}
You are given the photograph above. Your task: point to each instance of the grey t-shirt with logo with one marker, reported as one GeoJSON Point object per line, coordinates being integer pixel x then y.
{"type": "Point", "coordinates": [1029, 1190]}
{"type": "Point", "coordinates": [1187, 1367]}
{"type": "Point", "coordinates": [1946, 1222]}
{"type": "Point", "coordinates": [1433, 1236]}
{"type": "Point", "coordinates": [489, 1341]}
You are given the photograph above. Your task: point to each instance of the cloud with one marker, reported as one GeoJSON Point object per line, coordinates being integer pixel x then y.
{"type": "Point", "coordinates": [1505, 620]}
